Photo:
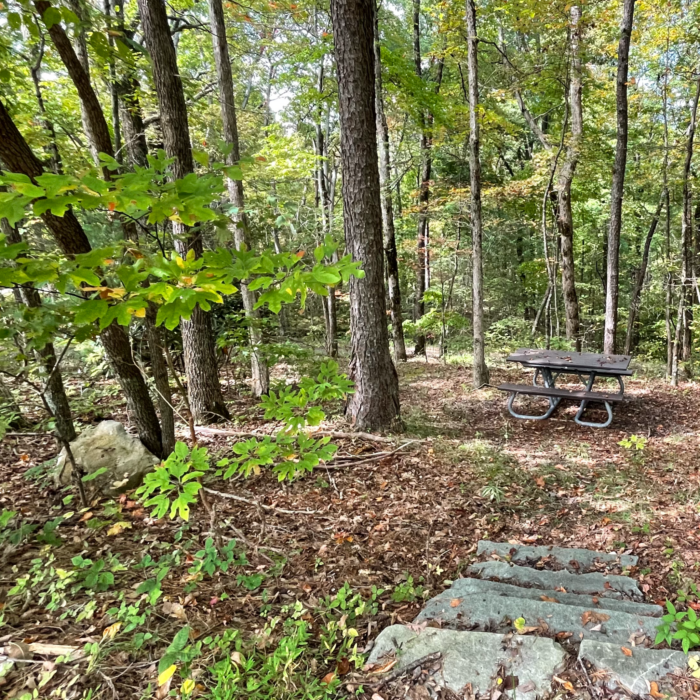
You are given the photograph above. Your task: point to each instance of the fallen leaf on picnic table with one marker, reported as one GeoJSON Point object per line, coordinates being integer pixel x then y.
{"type": "Point", "coordinates": [626, 651]}
{"type": "Point", "coordinates": [593, 616]}
{"type": "Point", "coordinates": [455, 602]}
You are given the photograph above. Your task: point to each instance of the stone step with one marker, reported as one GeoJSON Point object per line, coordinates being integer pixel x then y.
{"type": "Point", "coordinates": [574, 559]}
{"type": "Point", "coordinates": [634, 672]}
{"type": "Point", "coordinates": [464, 586]}
{"type": "Point", "coordinates": [475, 657]}
{"type": "Point", "coordinates": [496, 613]}
{"type": "Point", "coordinates": [587, 584]}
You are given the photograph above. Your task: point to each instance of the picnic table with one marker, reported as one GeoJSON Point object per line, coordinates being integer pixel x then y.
{"type": "Point", "coordinates": [549, 365]}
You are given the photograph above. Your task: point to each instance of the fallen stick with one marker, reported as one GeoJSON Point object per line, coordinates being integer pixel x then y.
{"type": "Point", "coordinates": [249, 501]}
{"type": "Point", "coordinates": [430, 658]}
{"type": "Point", "coordinates": [330, 433]}
{"type": "Point", "coordinates": [372, 458]}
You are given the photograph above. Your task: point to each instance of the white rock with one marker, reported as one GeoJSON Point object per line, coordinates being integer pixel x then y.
{"type": "Point", "coordinates": [107, 445]}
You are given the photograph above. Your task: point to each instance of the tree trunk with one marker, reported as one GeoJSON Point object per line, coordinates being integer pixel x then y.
{"type": "Point", "coordinates": [239, 227]}
{"type": "Point", "coordinates": [685, 292]}
{"type": "Point", "coordinates": [641, 275]}
{"type": "Point", "coordinates": [206, 399]}
{"type": "Point", "coordinates": [392, 262]}
{"type": "Point", "coordinates": [159, 367]}
{"type": "Point", "coordinates": [480, 372]}
{"type": "Point", "coordinates": [565, 218]}
{"type": "Point", "coordinates": [55, 392]}
{"type": "Point", "coordinates": [375, 403]}
{"type": "Point", "coordinates": [618, 181]}
{"type": "Point", "coordinates": [71, 239]}
{"type": "Point", "coordinates": [424, 192]}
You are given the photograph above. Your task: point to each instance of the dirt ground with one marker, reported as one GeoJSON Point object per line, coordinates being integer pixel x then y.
{"type": "Point", "coordinates": [463, 470]}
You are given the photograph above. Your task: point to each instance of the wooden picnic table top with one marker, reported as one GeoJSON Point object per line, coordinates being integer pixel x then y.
{"type": "Point", "coordinates": [584, 361]}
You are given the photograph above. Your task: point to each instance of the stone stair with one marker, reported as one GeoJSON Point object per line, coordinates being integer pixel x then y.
{"type": "Point", "coordinates": [509, 619]}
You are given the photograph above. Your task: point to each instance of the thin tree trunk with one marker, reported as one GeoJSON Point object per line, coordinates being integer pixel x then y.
{"type": "Point", "coordinates": [35, 70]}
{"type": "Point", "coordinates": [55, 392]}
{"type": "Point", "coordinates": [392, 262]}
{"type": "Point", "coordinates": [618, 181]}
{"type": "Point", "coordinates": [641, 275]}
{"type": "Point", "coordinates": [685, 292]}
{"type": "Point", "coordinates": [481, 371]}
{"type": "Point", "coordinates": [206, 399]}
{"type": "Point", "coordinates": [375, 403]}
{"type": "Point", "coordinates": [669, 276]}
{"type": "Point", "coordinates": [239, 227]}
{"type": "Point", "coordinates": [71, 239]}
{"type": "Point", "coordinates": [565, 219]}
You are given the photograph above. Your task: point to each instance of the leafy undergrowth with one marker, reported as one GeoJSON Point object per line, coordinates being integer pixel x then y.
{"type": "Point", "coordinates": [281, 594]}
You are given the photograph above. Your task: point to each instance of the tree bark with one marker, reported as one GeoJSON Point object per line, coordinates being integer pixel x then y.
{"type": "Point", "coordinates": [206, 399]}
{"type": "Point", "coordinates": [618, 181]}
{"type": "Point", "coordinates": [641, 275]}
{"type": "Point", "coordinates": [392, 262]}
{"type": "Point", "coordinates": [239, 225]}
{"type": "Point", "coordinates": [375, 403]}
{"type": "Point", "coordinates": [481, 371]}
{"type": "Point", "coordinates": [685, 292]}
{"type": "Point", "coordinates": [55, 392]}
{"type": "Point", "coordinates": [70, 236]}
{"type": "Point", "coordinates": [565, 219]}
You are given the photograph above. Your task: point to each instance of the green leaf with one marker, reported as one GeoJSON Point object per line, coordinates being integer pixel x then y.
{"type": "Point", "coordinates": [95, 474]}
{"type": "Point", "coordinates": [51, 16]}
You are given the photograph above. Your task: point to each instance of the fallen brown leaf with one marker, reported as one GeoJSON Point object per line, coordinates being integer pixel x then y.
{"type": "Point", "coordinates": [593, 616]}
{"type": "Point", "coordinates": [626, 651]}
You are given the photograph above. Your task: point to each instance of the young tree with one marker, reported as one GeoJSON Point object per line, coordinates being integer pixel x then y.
{"type": "Point", "coordinates": [566, 175]}
{"type": "Point", "coordinates": [375, 403]}
{"type": "Point", "coordinates": [392, 262]}
{"type": "Point", "coordinates": [618, 181]}
{"type": "Point", "coordinates": [481, 371]}
{"type": "Point", "coordinates": [239, 226]}
{"type": "Point", "coordinates": [205, 397]}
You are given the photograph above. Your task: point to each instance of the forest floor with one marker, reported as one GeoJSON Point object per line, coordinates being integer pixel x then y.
{"type": "Point", "coordinates": [403, 516]}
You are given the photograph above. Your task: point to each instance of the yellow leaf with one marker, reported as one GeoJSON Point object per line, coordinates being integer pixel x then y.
{"type": "Point", "coordinates": [117, 292]}
{"type": "Point", "coordinates": [187, 687]}
{"type": "Point", "coordinates": [180, 262]}
{"type": "Point", "coordinates": [164, 677]}
{"type": "Point", "coordinates": [519, 624]}
{"type": "Point", "coordinates": [111, 631]}
{"type": "Point", "coordinates": [140, 313]}
{"type": "Point", "coordinates": [118, 528]}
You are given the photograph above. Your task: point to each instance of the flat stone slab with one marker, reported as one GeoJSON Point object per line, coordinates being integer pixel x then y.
{"type": "Point", "coordinates": [475, 657]}
{"type": "Point", "coordinates": [632, 673]}
{"type": "Point", "coordinates": [587, 584]}
{"type": "Point", "coordinates": [575, 560]}
{"type": "Point", "coordinates": [496, 613]}
{"type": "Point", "coordinates": [465, 586]}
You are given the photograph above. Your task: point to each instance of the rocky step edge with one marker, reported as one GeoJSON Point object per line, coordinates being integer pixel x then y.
{"type": "Point", "coordinates": [525, 663]}
{"type": "Point", "coordinates": [575, 560]}
{"type": "Point", "coordinates": [595, 584]}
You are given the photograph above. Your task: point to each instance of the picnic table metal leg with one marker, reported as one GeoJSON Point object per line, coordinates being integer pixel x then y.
{"type": "Point", "coordinates": [553, 403]}
{"type": "Point", "coordinates": [582, 408]}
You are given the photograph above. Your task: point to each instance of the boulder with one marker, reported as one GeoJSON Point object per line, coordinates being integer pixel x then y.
{"type": "Point", "coordinates": [107, 446]}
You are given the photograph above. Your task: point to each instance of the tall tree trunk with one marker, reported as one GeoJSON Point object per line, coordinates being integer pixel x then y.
{"type": "Point", "coordinates": [481, 371]}
{"type": "Point", "coordinates": [423, 189]}
{"type": "Point", "coordinates": [392, 262]}
{"type": "Point", "coordinates": [641, 275]}
{"type": "Point", "coordinates": [35, 70]}
{"type": "Point", "coordinates": [565, 218]}
{"type": "Point", "coordinates": [685, 292]}
{"type": "Point", "coordinates": [239, 226]}
{"type": "Point", "coordinates": [375, 403]}
{"type": "Point", "coordinates": [71, 239]}
{"type": "Point", "coordinates": [206, 399]}
{"type": "Point", "coordinates": [55, 395]}
{"type": "Point", "coordinates": [618, 181]}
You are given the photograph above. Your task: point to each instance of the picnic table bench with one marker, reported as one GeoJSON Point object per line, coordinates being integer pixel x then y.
{"type": "Point", "coordinates": [588, 366]}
